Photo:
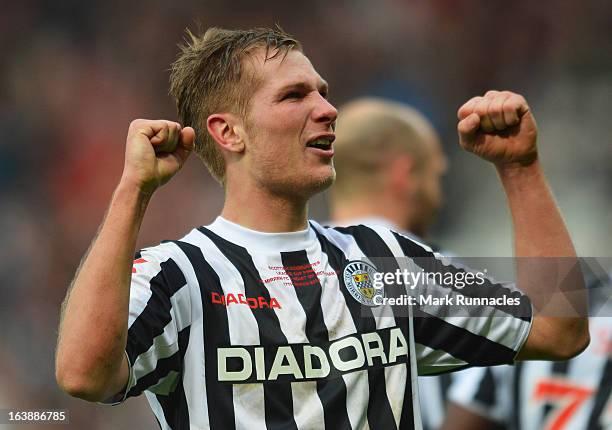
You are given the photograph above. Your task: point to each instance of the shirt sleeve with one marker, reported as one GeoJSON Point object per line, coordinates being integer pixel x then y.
{"type": "Point", "coordinates": [462, 317]}
{"type": "Point", "coordinates": [158, 324]}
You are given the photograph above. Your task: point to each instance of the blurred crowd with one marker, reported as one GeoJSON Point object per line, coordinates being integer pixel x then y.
{"type": "Point", "coordinates": [75, 73]}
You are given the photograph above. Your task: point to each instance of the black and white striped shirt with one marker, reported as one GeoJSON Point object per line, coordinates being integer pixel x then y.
{"type": "Point", "coordinates": [232, 328]}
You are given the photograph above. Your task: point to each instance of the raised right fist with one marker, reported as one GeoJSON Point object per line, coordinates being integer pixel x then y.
{"type": "Point", "coordinates": [155, 151]}
{"type": "Point", "coordinates": [500, 128]}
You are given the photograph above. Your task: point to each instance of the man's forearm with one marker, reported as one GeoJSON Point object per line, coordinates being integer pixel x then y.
{"type": "Point", "coordinates": [547, 268]}
{"type": "Point", "coordinates": [539, 230]}
{"type": "Point", "coordinates": [93, 328]}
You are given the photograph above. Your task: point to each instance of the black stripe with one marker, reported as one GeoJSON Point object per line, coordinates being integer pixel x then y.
{"type": "Point", "coordinates": [378, 251]}
{"type": "Point", "coordinates": [516, 396]}
{"type": "Point", "coordinates": [380, 415]}
{"type": "Point", "coordinates": [219, 396]}
{"type": "Point", "coordinates": [155, 316]}
{"type": "Point", "coordinates": [176, 410]}
{"type": "Point", "coordinates": [278, 397]}
{"type": "Point", "coordinates": [448, 372]}
{"type": "Point", "coordinates": [332, 392]}
{"type": "Point", "coordinates": [460, 343]}
{"type": "Point", "coordinates": [152, 378]}
{"type": "Point", "coordinates": [445, 383]}
{"type": "Point", "coordinates": [475, 349]}
{"type": "Point", "coordinates": [559, 368]}
{"type": "Point", "coordinates": [485, 394]}
{"type": "Point", "coordinates": [602, 397]}
{"type": "Point", "coordinates": [429, 263]}
{"type": "Point", "coordinates": [162, 368]}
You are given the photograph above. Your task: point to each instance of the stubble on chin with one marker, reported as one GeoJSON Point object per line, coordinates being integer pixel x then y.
{"type": "Point", "coordinates": [302, 188]}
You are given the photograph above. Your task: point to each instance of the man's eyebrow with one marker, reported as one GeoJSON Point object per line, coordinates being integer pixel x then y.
{"type": "Point", "coordinates": [303, 86]}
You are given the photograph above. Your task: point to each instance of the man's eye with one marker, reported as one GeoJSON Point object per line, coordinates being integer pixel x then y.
{"type": "Point", "coordinates": [293, 95]}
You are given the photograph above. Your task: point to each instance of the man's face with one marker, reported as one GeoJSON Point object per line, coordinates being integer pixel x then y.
{"type": "Point", "coordinates": [289, 127]}
{"type": "Point", "coordinates": [429, 192]}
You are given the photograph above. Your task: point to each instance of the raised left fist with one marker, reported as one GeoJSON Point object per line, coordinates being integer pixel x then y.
{"type": "Point", "coordinates": [499, 127]}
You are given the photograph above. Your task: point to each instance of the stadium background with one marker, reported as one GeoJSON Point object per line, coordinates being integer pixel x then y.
{"type": "Point", "coordinates": [73, 75]}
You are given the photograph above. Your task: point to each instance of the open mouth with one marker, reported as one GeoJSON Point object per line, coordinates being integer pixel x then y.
{"type": "Point", "coordinates": [323, 143]}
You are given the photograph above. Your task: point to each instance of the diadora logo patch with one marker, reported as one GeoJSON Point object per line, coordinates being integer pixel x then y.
{"type": "Point", "coordinates": [358, 277]}
{"type": "Point", "coordinates": [308, 362]}
{"type": "Point", "coordinates": [258, 302]}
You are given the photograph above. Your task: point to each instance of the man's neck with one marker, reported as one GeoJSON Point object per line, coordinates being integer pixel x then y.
{"type": "Point", "coordinates": [261, 211]}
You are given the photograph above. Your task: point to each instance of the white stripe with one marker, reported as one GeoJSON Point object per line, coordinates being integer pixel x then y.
{"type": "Point", "coordinates": [433, 402]}
{"type": "Point", "coordinates": [531, 411]}
{"type": "Point", "coordinates": [336, 314]}
{"type": "Point", "coordinates": [249, 410]}
{"type": "Point", "coordinates": [431, 361]}
{"type": "Point", "coordinates": [166, 384]}
{"type": "Point", "coordinates": [140, 287]}
{"type": "Point", "coordinates": [586, 370]}
{"type": "Point", "coordinates": [464, 383]}
{"type": "Point", "coordinates": [166, 343]}
{"type": "Point", "coordinates": [406, 263]}
{"type": "Point", "coordinates": [412, 238]}
{"type": "Point", "coordinates": [157, 410]}
{"type": "Point", "coordinates": [291, 315]}
{"type": "Point", "coordinates": [307, 407]}
{"type": "Point", "coordinates": [194, 373]}
{"type": "Point", "coordinates": [396, 377]}
{"type": "Point", "coordinates": [344, 242]}
{"type": "Point", "coordinates": [414, 372]}
{"type": "Point", "coordinates": [503, 330]}
{"type": "Point", "coordinates": [395, 389]}
{"type": "Point", "coordinates": [339, 323]}
{"type": "Point", "coordinates": [357, 398]}
{"type": "Point", "coordinates": [495, 325]}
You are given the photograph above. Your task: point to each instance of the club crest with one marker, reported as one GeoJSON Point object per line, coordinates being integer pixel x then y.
{"type": "Point", "coordinates": [358, 277]}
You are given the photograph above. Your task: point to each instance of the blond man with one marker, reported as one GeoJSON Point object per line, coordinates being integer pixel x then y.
{"type": "Point", "coordinates": [262, 319]}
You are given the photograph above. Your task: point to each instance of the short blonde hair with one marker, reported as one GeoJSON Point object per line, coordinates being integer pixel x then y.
{"type": "Point", "coordinates": [208, 77]}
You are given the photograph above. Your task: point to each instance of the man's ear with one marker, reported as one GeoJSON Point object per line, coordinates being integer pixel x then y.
{"type": "Point", "coordinates": [227, 131]}
{"type": "Point", "coordinates": [401, 174]}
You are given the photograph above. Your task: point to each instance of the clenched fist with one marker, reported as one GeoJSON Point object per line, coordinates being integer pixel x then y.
{"type": "Point", "coordinates": [499, 127]}
{"type": "Point", "coordinates": [155, 151]}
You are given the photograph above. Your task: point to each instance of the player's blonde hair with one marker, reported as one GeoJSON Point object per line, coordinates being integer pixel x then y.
{"type": "Point", "coordinates": [208, 77]}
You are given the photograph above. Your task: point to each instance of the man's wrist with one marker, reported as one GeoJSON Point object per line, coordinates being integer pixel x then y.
{"type": "Point", "coordinates": [522, 180]}
{"type": "Point", "coordinates": [135, 188]}
{"type": "Point", "coordinates": [131, 191]}
{"type": "Point", "coordinates": [518, 171]}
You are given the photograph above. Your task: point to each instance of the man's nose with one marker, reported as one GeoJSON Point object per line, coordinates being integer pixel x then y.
{"type": "Point", "coordinates": [325, 111]}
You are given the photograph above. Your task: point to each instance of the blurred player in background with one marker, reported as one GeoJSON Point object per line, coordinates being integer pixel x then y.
{"type": "Point", "coordinates": [389, 164]}
{"type": "Point", "coordinates": [202, 325]}
{"type": "Point", "coordinates": [543, 395]}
